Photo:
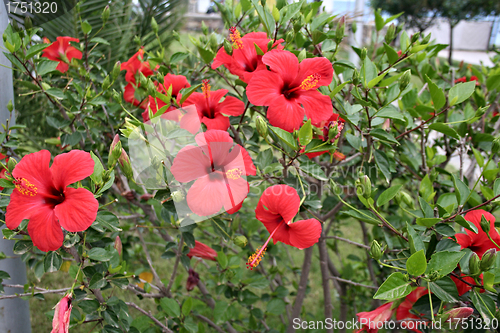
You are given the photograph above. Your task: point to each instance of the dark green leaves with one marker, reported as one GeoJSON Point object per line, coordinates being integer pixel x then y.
{"type": "Point", "coordinates": [417, 263]}
{"type": "Point", "coordinates": [52, 262]}
{"type": "Point", "coordinates": [444, 262]}
{"type": "Point", "coordinates": [396, 286]}
{"type": "Point", "coordinates": [445, 129]}
{"type": "Point", "coordinates": [388, 194]}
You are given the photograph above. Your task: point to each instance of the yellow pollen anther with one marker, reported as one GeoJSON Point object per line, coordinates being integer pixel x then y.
{"type": "Point", "coordinates": [25, 187]}
{"type": "Point", "coordinates": [206, 88]}
{"type": "Point", "coordinates": [254, 259]}
{"type": "Point", "coordinates": [310, 82]}
{"type": "Point", "coordinates": [234, 173]}
{"type": "Point", "coordinates": [235, 37]}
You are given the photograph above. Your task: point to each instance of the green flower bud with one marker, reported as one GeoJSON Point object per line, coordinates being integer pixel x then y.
{"type": "Point", "coordinates": [485, 224]}
{"type": "Point", "coordinates": [125, 165]}
{"type": "Point", "coordinates": [204, 28]}
{"type": "Point", "coordinates": [364, 51]}
{"type": "Point", "coordinates": [11, 164]}
{"type": "Point", "coordinates": [355, 77]}
{"type": "Point", "coordinates": [177, 196]}
{"type": "Point", "coordinates": [364, 186]}
{"type": "Point", "coordinates": [263, 2]}
{"type": "Point", "coordinates": [10, 106]}
{"type": "Point", "coordinates": [28, 24]}
{"type": "Point", "coordinates": [261, 126]}
{"type": "Point", "coordinates": [405, 80]}
{"type": "Point", "coordinates": [391, 32]}
{"type": "Point", "coordinates": [333, 131]}
{"type": "Point", "coordinates": [414, 37]}
{"type": "Point", "coordinates": [105, 83]}
{"type": "Point", "coordinates": [340, 31]}
{"type": "Point", "coordinates": [105, 14]}
{"type": "Point", "coordinates": [116, 70]}
{"type": "Point", "coordinates": [354, 27]}
{"type": "Point", "coordinates": [375, 250]}
{"type": "Point", "coordinates": [276, 13]}
{"type": "Point", "coordinates": [474, 269]}
{"type": "Point", "coordinates": [405, 197]}
{"type": "Point", "coordinates": [289, 37]}
{"type": "Point", "coordinates": [488, 259]}
{"type": "Point", "coordinates": [399, 28]}
{"type": "Point", "coordinates": [176, 36]}
{"type": "Point", "coordinates": [228, 47]}
{"type": "Point", "coordinates": [115, 151]}
{"type": "Point", "coordinates": [240, 241]}
{"type": "Point", "coordinates": [116, 96]}
{"type": "Point", "coordinates": [137, 40]}
{"type": "Point", "coordinates": [154, 26]}
{"type": "Point", "coordinates": [151, 89]}
{"type": "Point", "coordinates": [143, 81]}
{"type": "Point", "coordinates": [495, 146]}
{"type": "Point", "coordinates": [433, 275]}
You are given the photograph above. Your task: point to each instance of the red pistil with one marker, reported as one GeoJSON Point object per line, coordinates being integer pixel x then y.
{"type": "Point", "coordinates": [255, 259]}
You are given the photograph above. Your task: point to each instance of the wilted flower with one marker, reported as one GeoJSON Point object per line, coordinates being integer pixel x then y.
{"type": "Point", "coordinates": [62, 313]}
{"type": "Point", "coordinates": [192, 279]}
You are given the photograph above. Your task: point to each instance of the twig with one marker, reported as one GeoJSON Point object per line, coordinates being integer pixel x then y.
{"type": "Point", "coordinates": [39, 291]}
{"type": "Point", "coordinates": [471, 209]}
{"type": "Point", "coordinates": [323, 263]}
{"type": "Point", "coordinates": [176, 264]}
{"type": "Point", "coordinates": [210, 323]}
{"type": "Point", "coordinates": [422, 124]}
{"type": "Point", "coordinates": [352, 282]}
{"type": "Point", "coordinates": [160, 284]}
{"type": "Point", "coordinates": [148, 314]}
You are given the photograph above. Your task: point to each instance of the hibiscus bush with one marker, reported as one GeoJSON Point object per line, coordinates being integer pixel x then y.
{"type": "Point", "coordinates": [254, 179]}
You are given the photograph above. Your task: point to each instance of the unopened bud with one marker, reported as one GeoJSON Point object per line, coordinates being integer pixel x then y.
{"type": "Point", "coordinates": [332, 132]}
{"type": "Point", "coordinates": [117, 96]}
{"type": "Point", "coordinates": [375, 250]}
{"type": "Point", "coordinates": [391, 32]}
{"type": "Point", "coordinates": [240, 241]}
{"type": "Point", "coordinates": [11, 164]}
{"type": "Point", "coordinates": [105, 14]}
{"type": "Point", "coordinates": [154, 26]}
{"type": "Point", "coordinates": [115, 151]}
{"type": "Point", "coordinates": [116, 70]}
{"type": "Point", "coordinates": [228, 47]}
{"type": "Point", "coordinates": [405, 80]}
{"type": "Point", "coordinates": [10, 106]}
{"type": "Point", "coordinates": [485, 224]}
{"type": "Point", "coordinates": [340, 31]}
{"type": "Point", "coordinates": [192, 280]}
{"type": "Point", "coordinates": [363, 54]}
{"type": "Point", "coordinates": [28, 24]}
{"type": "Point", "coordinates": [474, 269]}
{"type": "Point", "coordinates": [177, 196]}
{"type": "Point", "coordinates": [405, 197]}
{"type": "Point", "coordinates": [263, 2]}
{"type": "Point", "coordinates": [143, 81]}
{"type": "Point", "coordinates": [125, 165]}
{"type": "Point", "coordinates": [204, 28]}
{"type": "Point", "coordinates": [488, 259]}
{"type": "Point", "coordinates": [105, 83]}
{"type": "Point", "coordinates": [355, 77]}
{"type": "Point", "coordinates": [118, 245]}
{"type": "Point", "coordinates": [261, 126]}
{"type": "Point", "coordinates": [458, 314]}
{"type": "Point", "coordinates": [289, 37]}
{"type": "Point", "coordinates": [495, 146]}
{"type": "Point", "coordinates": [364, 186]}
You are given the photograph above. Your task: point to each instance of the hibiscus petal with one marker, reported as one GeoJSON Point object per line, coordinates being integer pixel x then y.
{"type": "Point", "coordinates": [237, 192]}
{"type": "Point", "coordinates": [304, 233]}
{"type": "Point", "coordinates": [207, 195]}
{"type": "Point", "coordinates": [231, 106]}
{"type": "Point", "coordinates": [72, 52]}
{"type": "Point", "coordinates": [218, 122]}
{"type": "Point", "coordinates": [222, 58]}
{"type": "Point", "coordinates": [68, 168]}
{"type": "Point", "coordinates": [190, 119]}
{"type": "Point", "coordinates": [35, 168]}
{"type": "Point", "coordinates": [285, 114]}
{"type": "Point", "coordinates": [78, 210]}
{"type": "Point", "coordinates": [190, 164]}
{"type": "Point", "coordinates": [321, 66]}
{"type": "Point", "coordinates": [264, 87]}
{"type": "Point", "coordinates": [285, 63]}
{"type": "Point", "coordinates": [317, 106]}
{"type": "Point", "coordinates": [177, 82]}
{"type": "Point", "coordinates": [278, 202]}
{"type": "Point", "coordinates": [21, 207]}
{"type": "Point", "coordinates": [44, 229]}
{"type": "Point", "coordinates": [62, 67]}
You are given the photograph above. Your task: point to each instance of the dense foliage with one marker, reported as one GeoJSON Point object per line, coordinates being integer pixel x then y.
{"type": "Point", "coordinates": [349, 191]}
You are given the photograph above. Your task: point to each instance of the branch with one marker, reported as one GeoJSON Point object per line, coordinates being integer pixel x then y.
{"type": "Point", "coordinates": [210, 323]}
{"type": "Point", "coordinates": [323, 263]}
{"type": "Point", "coordinates": [352, 282]}
{"type": "Point", "coordinates": [147, 313]}
{"type": "Point", "coordinates": [40, 291]}
{"type": "Point", "coordinates": [160, 284]}
{"type": "Point", "coordinates": [422, 124]}
{"type": "Point", "coordinates": [471, 209]}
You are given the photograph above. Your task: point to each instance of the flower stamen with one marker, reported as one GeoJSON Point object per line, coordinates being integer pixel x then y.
{"type": "Point", "coordinates": [206, 88]}
{"type": "Point", "coordinates": [235, 37]}
{"type": "Point", "coordinates": [234, 174]}
{"type": "Point", "coordinates": [255, 259]}
{"type": "Point", "coordinates": [310, 82]}
{"type": "Point", "coordinates": [25, 187]}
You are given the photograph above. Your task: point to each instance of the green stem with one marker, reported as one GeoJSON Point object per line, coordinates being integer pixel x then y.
{"type": "Point", "coordinates": [224, 231]}
{"type": "Point", "coordinates": [394, 267]}
{"type": "Point", "coordinates": [430, 299]}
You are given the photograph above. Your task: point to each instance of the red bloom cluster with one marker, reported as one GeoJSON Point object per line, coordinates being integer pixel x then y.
{"type": "Point", "coordinates": [276, 209]}
{"type": "Point", "coordinates": [134, 65]}
{"type": "Point", "coordinates": [42, 195]}
{"type": "Point", "coordinates": [245, 60]}
{"type": "Point", "coordinates": [289, 89]}
{"type": "Point", "coordinates": [62, 51]}
{"type": "Point", "coordinates": [463, 79]}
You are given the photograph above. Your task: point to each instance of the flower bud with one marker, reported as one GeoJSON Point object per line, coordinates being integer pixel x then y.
{"type": "Point", "coordinates": [177, 196]}
{"type": "Point", "coordinates": [340, 31]}
{"type": "Point", "coordinates": [405, 197]}
{"type": "Point", "coordinates": [495, 146]}
{"type": "Point", "coordinates": [240, 241]}
{"type": "Point", "coordinates": [364, 51]}
{"type": "Point", "coordinates": [485, 224]}
{"type": "Point", "coordinates": [118, 245]}
{"type": "Point", "coordinates": [355, 77]}
{"type": "Point", "coordinates": [125, 165]}
{"type": "Point", "coordinates": [116, 70]}
{"type": "Point", "coordinates": [10, 106]}
{"type": "Point", "coordinates": [11, 164]}
{"type": "Point", "coordinates": [28, 24]}
{"type": "Point", "coordinates": [405, 80]}
{"type": "Point", "coordinates": [375, 250]}
{"type": "Point", "coordinates": [364, 186]}
{"type": "Point", "coordinates": [289, 37]}
{"type": "Point", "coordinates": [116, 96]}
{"type": "Point", "coordinates": [391, 32]}
{"type": "Point", "coordinates": [458, 314]}
{"type": "Point", "coordinates": [474, 265]}
{"type": "Point", "coordinates": [204, 28]}
{"type": "Point", "coordinates": [488, 259]}
{"type": "Point", "coordinates": [192, 280]}
{"type": "Point", "coordinates": [151, 88]}
{"type": "Point", "coordinates": [433, 275]}
{"type": "Point", "coordinates": [115, 151]}
{"type": "Point", "coordinates": [105, 83]}
{"type": "Point", "coordinates": [105, 14]}
{"type": "Point", "coordinates": [261, 126]}
{"type": "Point", "coordinates": [276, 13]}
{"type": "Point", "coordinates": [154, 26]}
{"type": "Point", "coordinates": [228, 47]}
{"type": "Point", "coordinates": [332, 132]}
{"type": "Point", "coordinates": [263, 2]}
{"type": "Point", "coordinates": [143, 81]}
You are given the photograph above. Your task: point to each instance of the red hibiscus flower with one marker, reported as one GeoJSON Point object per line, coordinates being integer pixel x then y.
{"type": "Point", "coordinates": [63, 52]}
{"type": "Point", "coordinates": [463, 79]}
{"type": "Point", "coordinates": [276, 209]}
{"type": "Point", "coordinates": [403, 313]}
{"type": "Point", "coordinates": [134, 65]}
{"type": "Point", "coordinates": [369, 320]}
{"type": "Point", "coordinates": [42, 195]}
{"type": "Point", "coordinates": [203, 251]}
{"type": "Point", "coordinates": [324, 127]}
{"type": "Point", "coordinates": [217, 166]}
{"type": "Point", "coordinates": [244, 61]}
{"type": "Point", "coordinates": [463, 287]}
{"type": "Point", "coordinates": [62, 314]}
{"type": "Point", "coordinates": [211, 110]}
{"type": "Point", "coordinates": [458, 314]}
{"type": "Point", "coordinates": [289, 89]}
{"type": "Point", "coordinates": [177, 82]}
{"type": "Point", "coordinates": [479, 242]}
{"type": "Point", "coordinates": [2, 172]}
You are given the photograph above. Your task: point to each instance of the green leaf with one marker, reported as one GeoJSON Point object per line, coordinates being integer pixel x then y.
{"type": "Point", "coordinates": [444, 262]}
{"type": "Point", "coordinates": [391, 113]}
{"type": "Point", "coordinates": [416, 243]}
{"type": "Point", "coordinates": [338, 88]}
{"type": "Point", "coordinates": [186, 92]}
{"type": "Point", "coordinates": [445, 129]}
{"type": "Point", "coordinates": [396, 286]}
{"type": "Point", "coordinates": [4, 275]}
{"type": "Point", "coordinates": [417, 263]}
{"type": "Point", "coordinates": [488, 281]}
{"type": "Point", "coordinates": [5, 183]}
{"type": "Point", "coordinates": [55, 92]}
{"type": "Point", "coordinates": [383, 135]}
{"type": "Point", "coordinates": [493, 82]}
{"type": "Point", "coordinates": [368, 71]}
{"type": "Point", "coordinates": [56, 123]}
{"type": "Point", "coordinates": [291, 11]}
{"type": "Point", "coordinates": [427, 221]}
{"type": "Point", "coordinates": [478, 156]}
{"type": "Point", "coordinates": [313, 170]}
{"type": "Point", "coordinates": [99, 40]}
{"type": "Point", "coordinates": [462, 191]}
{"type": "Point", "coordinates": [35, 49]}
{"type": "Point", "coordinates": [46, 66]}
{"type": "Point", "coordinates": [187, 306]}
{"type": "Point", "coordinates": [52, 262]}
{"type": "Point", "coordinates": [205, 54]}
{"type": "Point", "coordinates": [171, 307]}
{"type": "Point", "coordinates": [379, 21]}
{"type": "Point", "coordinates": [484, 305]}
{"type": "Point", "coordinates": [178, 56]}
{"type": "Point", "coordinates": [266, 18]}
{"type": "Point", "coordinates": [388, 194]}
{"type": "Point", "coordinates": [445, 289]}
{"type": "Point", "coordinates": [96, 176]}
{"type": "Point", "coordinates": [383, 164]}
{"type": "Point", "coordinates": [100, 254]}
{"type": "Point", "coordinates": [285, 136]}
{"type": "Point", "coordinates": [276, 306]}
{"type": "Point", "coordinates": [466, 224]}
{"type": "Point", "coordinates": [222, 259]}
{"type": "Point", "coordinates": [437, 94]}
{"type": "Point", "coordinates": [496, 187]}
{"type": "Point", "coordinates": [86, 27]}
{"type": "Point", "coordinates": [305, 133]}
{"type": "Point", "coordinates": [392, 54]}
{"type": "Point", "coordinates": [461, 92]}
{"type": "Point", "coordinates": [108, 220]}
